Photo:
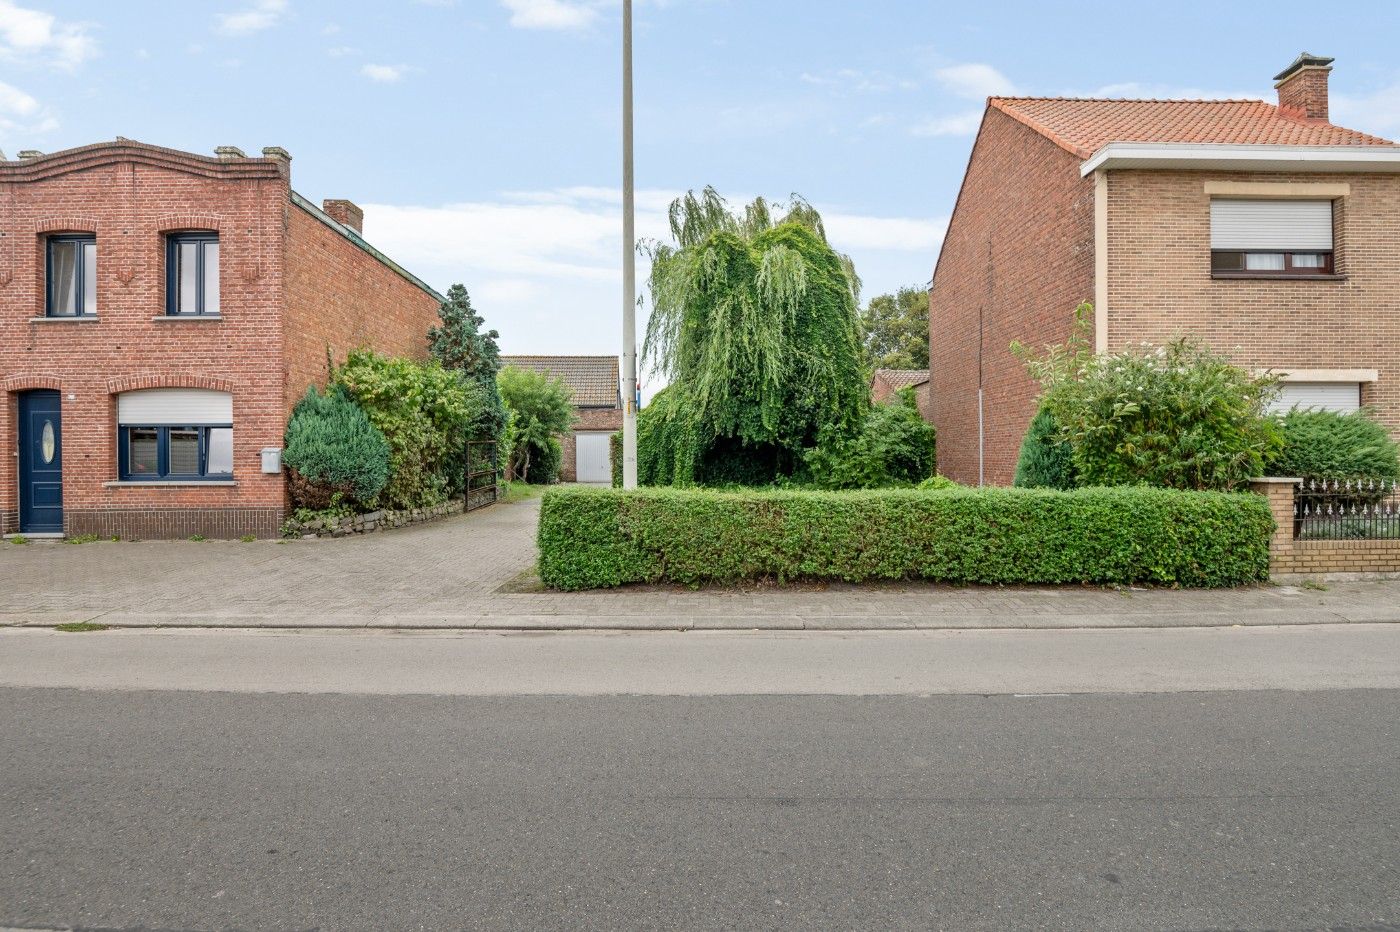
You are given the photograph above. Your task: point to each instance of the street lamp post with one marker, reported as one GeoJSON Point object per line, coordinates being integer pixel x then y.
{"type": "Point", "coordinates": [629, 266]}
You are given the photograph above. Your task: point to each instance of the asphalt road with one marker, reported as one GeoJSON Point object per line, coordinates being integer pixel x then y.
{"type": "Point", "coordinates": [197, 809]}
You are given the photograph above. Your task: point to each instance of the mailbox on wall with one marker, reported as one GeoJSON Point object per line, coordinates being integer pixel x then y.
{"type": "Point", "coordinates": [272, 460]}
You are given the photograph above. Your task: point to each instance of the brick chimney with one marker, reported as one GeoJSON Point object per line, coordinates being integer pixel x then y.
{"type": "Point", "coordinates": [345, 212]}
{"type": "Point", "coordinates": [1302, 86]}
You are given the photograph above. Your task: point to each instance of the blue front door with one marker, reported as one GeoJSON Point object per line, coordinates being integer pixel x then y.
{"type": "Point", "coordinates": [40, 463]}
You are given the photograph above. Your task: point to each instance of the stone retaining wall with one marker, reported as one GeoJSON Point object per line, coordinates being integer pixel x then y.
{"type": "Point", "coordinates": [372, 521]}
{"type": "Point", "coordinates": [1289, 557]}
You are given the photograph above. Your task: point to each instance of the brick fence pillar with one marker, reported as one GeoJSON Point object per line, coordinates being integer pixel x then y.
{"type": "Point", "coordinates": [1280, 493]}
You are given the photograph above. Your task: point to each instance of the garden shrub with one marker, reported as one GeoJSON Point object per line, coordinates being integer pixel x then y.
{"type": "Point", "coordinates": [333, 452]}
{"type": "Point", "coordinates": [1331, 445]}
{"type": "Point", "coordinates": [1046, 461]}
{"type": "Point", "coordinates": [615, 458]}
{"type": "Point", "coordinates": [424, 412]}
{"type": "Point", "coordinates": [603, 537]}
{"type": "Point", "coordinates": [940, 483]}
{"type": "Point", "coordinates": [461, 345]}
{"type": "Point", "coordinates": [1177, 416]}
{"type": "Point", "coordinates": [895, 447]}
{"type": "Point", "coordinates": [540, 410]}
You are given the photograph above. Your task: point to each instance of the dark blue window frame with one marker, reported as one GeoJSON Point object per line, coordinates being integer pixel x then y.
{"type": "Point", "coordinates": [172, 273]}
{"type": "Point", "coordinates": [80, 286]}
{"type": "Point", "coordinates": [163, 473]}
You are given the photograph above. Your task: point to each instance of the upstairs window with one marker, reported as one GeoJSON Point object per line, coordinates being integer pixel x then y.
{"type": "Point", "coordinates": [1288, 238]}
{"type": "Point", "coordinates": [192, 274]}
{"type": "Point", "coordinates": [72, 276]}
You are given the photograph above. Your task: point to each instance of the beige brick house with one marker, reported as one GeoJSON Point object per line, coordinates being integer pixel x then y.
{"type": "Point", "coordinates": [1264, 230]}
{"type": "Point", "coordinates": [597, 395]}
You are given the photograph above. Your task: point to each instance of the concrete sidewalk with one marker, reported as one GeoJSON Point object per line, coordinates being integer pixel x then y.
{"type": "Point", "coordinates": [469, 571]}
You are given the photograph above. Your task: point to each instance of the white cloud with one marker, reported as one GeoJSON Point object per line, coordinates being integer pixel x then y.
{"type": "Point", "coordinates": [854, 80]}
{"type": "Point", "coordinates": [33, 36]}
{"type": "Point", "coordinates": [974, 81]}
{"type": "Point", "coordinates": [21, 114]}
{"type": "Point", "coordinates": [550, 14]}
{"type": "Point", "coordinates": [1138, 90]}
{"type": "Point", "coordinates": [340, 51]}
{"type": "Point", "coordinates": [385, 74]}
{"type": "Point", "coordinates": [959, 124]}
{"type": "Point", "coordinates": [1377, 112]}
{"type": "Point", "coordinates": [262, 14]}
{"type": "Point", "coordinates": [544, 266]}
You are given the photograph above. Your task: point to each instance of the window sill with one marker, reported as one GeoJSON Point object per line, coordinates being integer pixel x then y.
{"type": "Point", "coordinates": [83, 319]}
{"type": "Point", "coordinates": [1283, 277]}
{"type": "Point", "coordinates": [168, 484]}
{"type": "Point", "coordinates": [201, 318]}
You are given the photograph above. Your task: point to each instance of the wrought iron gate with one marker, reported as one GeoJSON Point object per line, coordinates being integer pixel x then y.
{"type": "Point", "coordinates": [483, 476]}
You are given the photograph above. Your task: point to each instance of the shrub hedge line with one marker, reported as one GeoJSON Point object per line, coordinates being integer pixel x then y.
{"type": "Point", "coordinates": [591, 538]}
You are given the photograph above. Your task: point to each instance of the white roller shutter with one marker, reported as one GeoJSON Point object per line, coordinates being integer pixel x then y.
{"type": "Point", "coordinates": [1327, 396]}
{"type": "Point", "coordinates": [175, 406]}
{"type": "Point", "coordinates": [1297, 226]}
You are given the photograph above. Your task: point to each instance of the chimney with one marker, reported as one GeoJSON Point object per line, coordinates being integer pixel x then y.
{"type": "Point", "coordinates": [26, 154]}
{"type": "Point", "coordinates": [229, 152]}
{"type": "Point", "coordinates": [345, 212]}
{"type": "Point", "coordinates": [1302, 87]}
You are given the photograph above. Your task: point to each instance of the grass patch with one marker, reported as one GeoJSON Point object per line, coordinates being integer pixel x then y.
{"type": "Point", "coordinates": [81, 539]}
{"type": "Point", "coordinates": [80, 626]}
{"type": "Point", "coordinates": [1314, 584]}
{"type": "Point", "coordinates": [198, 538]}
{"type": "Point", "coordinates": [18, 539]}
{"type": "Point", "coordinates": [247, 539]}
{"type": "Point", "coordinates": [521, 491]}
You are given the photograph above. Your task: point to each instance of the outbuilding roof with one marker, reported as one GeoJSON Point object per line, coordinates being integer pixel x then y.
{"type": "Point", "coordinates": [1083, 125]}
{"type": "Point", "coordinates": [897, 379]}
{"type": "Point", "coordinates": [593, 380]}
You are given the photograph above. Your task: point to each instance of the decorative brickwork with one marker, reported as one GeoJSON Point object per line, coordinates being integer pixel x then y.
{"type": "Point", "coordinates": [165, 523]}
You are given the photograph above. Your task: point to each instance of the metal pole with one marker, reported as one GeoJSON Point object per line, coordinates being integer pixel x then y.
{"type": "Point", "coordinates": [629, 265]}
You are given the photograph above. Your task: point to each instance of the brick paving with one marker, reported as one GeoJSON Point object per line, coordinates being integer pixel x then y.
{"type": "Point", "coordinates": [458, 572]}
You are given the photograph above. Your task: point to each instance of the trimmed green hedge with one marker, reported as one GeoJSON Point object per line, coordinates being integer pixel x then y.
{"type": "Point", "coordinates": [591, 538]}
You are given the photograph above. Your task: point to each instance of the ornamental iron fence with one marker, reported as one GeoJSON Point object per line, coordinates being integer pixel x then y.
{"type": "Point", "coordinates": [1346, 509]}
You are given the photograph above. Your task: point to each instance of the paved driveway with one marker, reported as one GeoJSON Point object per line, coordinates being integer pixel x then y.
{"type": "Point", "coordinates": [451, 573]}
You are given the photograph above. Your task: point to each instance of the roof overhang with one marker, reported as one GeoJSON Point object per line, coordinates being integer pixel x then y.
{"type": "Point", "coordinates": [1196, 156]}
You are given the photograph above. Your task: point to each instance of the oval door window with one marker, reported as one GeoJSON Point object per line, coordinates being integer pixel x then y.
{"type": "Point", "coordinates": [46, 444]}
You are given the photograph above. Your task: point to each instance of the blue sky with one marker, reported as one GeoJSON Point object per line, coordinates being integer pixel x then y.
{"type": "Point", "coordinates": [481, 136]}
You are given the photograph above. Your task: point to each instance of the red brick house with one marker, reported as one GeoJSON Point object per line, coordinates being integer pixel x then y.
{"type": "Point", "coordinates": [1264, 230]}
{"type": "Point", "coordinates": [597, 393]}
{"type": "Point", "coordinates": [160, 314]}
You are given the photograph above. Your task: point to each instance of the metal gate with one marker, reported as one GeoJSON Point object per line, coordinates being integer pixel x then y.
{"type": "Point", "coordinates": [483, 476]}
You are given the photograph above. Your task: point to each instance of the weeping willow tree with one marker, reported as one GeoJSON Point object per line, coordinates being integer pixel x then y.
{"type": "Point", "coordinates": [754, 324]}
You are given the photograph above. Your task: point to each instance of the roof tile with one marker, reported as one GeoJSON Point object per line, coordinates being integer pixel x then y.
{"type": "Point", "coordinates": [1085, 125]}
{"type": "Point", "coordinates": [592, 379]}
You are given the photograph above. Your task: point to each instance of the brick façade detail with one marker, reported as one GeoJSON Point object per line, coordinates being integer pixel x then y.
{"type": "Point", "coordinates": [1019, 256]}
{"type": "Point", "coordinates": [290, 286]}
{"type": "Point", "coordinates": [1160, 285]}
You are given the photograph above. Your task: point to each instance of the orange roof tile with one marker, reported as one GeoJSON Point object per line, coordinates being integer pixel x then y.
{"type": "Point", "coordinates": [593, 380]}
{"type": "Point", "coordinates": [1084, 125]}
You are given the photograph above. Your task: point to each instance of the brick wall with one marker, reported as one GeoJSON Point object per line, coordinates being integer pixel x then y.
{"type": "Point", "coordinates": [130, 196]}
{"type": "Point", "coordinates": [339, 297]}
{"type": "Point", "coordinates": [1019, 254]}
{"type": "Point", "coordinates": [1290, 557]}
{"type": "Point", "coordinates": [1160, 286]}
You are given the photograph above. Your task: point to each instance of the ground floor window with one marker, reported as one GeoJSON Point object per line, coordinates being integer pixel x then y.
{"type": "Point", "coordinates": [1343, 397]}
{"type": "Point", "coordinates": [157, 453]}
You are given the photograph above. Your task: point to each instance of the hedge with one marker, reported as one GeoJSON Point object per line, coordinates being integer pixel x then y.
{"type": "Point", "coordinates": [590, 538]}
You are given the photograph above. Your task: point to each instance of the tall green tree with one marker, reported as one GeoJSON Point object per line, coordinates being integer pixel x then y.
{"type": "Point", "coordinates": [540, 410]}
{"type": "Point", "coordinates": [461, 345]}
{"type": "Point", "coordinates": [894, 330]}
{"type": "Point", "coordinates": [754, 325]}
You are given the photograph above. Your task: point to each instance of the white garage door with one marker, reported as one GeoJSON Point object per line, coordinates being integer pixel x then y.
{"type": "Point", "coordinates": [1327, 396]}
{"type": "Point", "coordinates": [591, 459]}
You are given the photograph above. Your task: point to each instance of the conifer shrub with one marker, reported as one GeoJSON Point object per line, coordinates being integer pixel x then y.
{"type": "Point", "coordinates": [1045, 461]}
{"type": "Point", "coordinates": [331, 449]}
{"type": "Point", "coordinates": [1330, 445]}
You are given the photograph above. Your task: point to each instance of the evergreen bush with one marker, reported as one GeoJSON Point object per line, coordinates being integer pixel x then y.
{"type": "Point", "coordinates": [332, 449]}
{"type": "Point", "coordinates": [1330, 445]}
{"type": "Point", "coordinates": [1046, 461]}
